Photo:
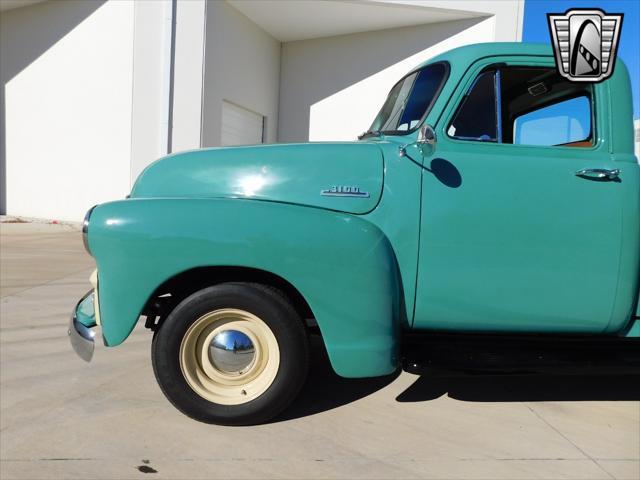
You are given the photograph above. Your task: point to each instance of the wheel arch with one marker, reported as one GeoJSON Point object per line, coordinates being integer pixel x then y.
{"type": "Point", "coordinates": [178, 287]}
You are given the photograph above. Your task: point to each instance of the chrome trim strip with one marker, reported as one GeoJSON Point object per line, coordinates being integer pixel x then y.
{"type": "Point", "coordinates": [498, 86]}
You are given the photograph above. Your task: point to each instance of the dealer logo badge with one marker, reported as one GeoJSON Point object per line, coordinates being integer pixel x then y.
{"type": "Point", "coordinates": [585, 43]}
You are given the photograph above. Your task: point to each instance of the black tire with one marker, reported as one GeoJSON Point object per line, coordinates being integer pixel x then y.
{"type": "Point", "coordinates": [273, 309]}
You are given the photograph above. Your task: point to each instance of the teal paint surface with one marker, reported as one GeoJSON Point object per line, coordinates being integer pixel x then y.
{"type": "Point", "coordinates": [293, 173]}
{"type": "Point", "coordinates": [520, 245]}
{"type": "Point", "coordinates": [85, 313]}
{"type": "Point", "coordinates": [342, 265]}
{"type": "Point", "coordinates": [618, 114]}
{"type": "Point", "coordinates": [398, 216]}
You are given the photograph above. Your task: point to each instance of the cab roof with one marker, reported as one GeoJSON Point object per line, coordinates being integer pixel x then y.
{"type": "Point", "coordinates": [469, 53]}
{"type": "Point", "coordinates": [618, 86]}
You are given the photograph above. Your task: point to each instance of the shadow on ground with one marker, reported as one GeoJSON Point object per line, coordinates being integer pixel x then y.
{"type": "Point", "coordinates": [535, 387]}
{"type": "Point", "coordinates": [325, 390]}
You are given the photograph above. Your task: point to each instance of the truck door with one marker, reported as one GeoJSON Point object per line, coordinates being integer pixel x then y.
{"type": "Point", "coordinates": [529, 237]}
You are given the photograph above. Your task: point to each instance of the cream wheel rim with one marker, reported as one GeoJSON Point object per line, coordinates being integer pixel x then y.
{"type": "Point", "coordinates": [229, 356]}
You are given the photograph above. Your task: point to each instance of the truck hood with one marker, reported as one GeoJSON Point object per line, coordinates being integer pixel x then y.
{"type": "Point", "coordinates": [339, 176]}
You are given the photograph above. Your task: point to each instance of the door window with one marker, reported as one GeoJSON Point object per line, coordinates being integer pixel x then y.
{"type": "Point", "coordinates": [525, 106]}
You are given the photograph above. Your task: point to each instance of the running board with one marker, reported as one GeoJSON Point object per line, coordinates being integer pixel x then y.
{"type": "Point", "coordinates": [519, 354]}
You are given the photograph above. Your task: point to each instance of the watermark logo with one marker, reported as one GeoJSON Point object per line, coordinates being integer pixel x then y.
{"type": "Point", "coordinates": [585, 42]}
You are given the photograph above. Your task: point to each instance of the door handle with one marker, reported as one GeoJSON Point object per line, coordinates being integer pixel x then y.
{"type": "Point", "coordinates": [599, 173]}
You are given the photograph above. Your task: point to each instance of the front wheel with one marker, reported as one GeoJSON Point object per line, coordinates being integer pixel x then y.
{"type": "Point", "coordinates": [232, 354]}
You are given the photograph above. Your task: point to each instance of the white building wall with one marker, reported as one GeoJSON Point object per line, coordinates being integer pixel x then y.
{"type": "Point", "coordinates": [67, 73]}
{"type": "Point", "coordinates": [349, 112]}
{"type": "Point", "coordinates": [331, 88]}
{"type": "Point", "coordinates": [242, 66]}
{"type": "Point", "coordinates": [150, 84]}
{"type": "Point", "coordinates": [153, 94]}
{"type": "Point", "coordinates": [188, 75]}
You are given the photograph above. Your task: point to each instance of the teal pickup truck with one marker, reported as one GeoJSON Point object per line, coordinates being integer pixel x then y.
{"type": "Point", "coordinates": [490, 196]}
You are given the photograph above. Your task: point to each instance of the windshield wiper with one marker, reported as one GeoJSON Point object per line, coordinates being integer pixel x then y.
{"type": "Point", "coordinates": [370, 133]}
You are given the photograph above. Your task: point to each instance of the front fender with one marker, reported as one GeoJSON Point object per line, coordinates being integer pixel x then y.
{"type": "Point", "coordinates": [342, 265]}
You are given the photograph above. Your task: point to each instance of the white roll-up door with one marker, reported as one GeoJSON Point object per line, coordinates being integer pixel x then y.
{"type": "Point", "coordinates": [240, 126]}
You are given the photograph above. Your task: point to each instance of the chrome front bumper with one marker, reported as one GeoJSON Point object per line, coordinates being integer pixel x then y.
{"type": "Point", "coordinates": [80, 330]}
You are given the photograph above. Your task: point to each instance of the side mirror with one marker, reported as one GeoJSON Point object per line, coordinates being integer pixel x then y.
{"type": "Point", "coordinates": [426, 142]}
{"type": "Point", "coordinates": [426, 139]}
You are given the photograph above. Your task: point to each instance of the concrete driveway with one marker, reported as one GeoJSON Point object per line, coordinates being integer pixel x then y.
{"type": "Point", "coordinates": [63, 418]}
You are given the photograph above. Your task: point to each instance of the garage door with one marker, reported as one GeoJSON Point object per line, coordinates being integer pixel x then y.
{"type": "Point", "coordinates": [240, 126]}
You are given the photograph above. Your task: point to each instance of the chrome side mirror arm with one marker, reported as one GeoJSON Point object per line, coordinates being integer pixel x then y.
{"type": "Point", "coordinates": [426, 135]}
{"type": "Point", "coordinates": [426, 141]}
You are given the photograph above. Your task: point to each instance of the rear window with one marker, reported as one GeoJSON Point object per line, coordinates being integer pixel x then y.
{"type": "Point", "coordinates": [564, 122]}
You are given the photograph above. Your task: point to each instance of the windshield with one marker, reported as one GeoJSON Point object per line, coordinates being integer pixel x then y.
{"type": "Point", "coordinates": [410, 100]}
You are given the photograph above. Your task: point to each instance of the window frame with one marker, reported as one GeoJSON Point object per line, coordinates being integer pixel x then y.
{"type": "Point", "coordinates": [599, 94]}
{"type": "Point", "coordinates": [445, 79]}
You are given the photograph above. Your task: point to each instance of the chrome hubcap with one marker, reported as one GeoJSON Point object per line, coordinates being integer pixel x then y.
{"type": "Point", "coordinates": [231, 352]}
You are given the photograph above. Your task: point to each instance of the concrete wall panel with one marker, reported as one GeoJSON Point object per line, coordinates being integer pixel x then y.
{"type": "Point", "coordinates": [150, 83]}
{"type": "Point", "coordinates": [188, 75]}
{"type": "Point", "coordinates": [67, 78]}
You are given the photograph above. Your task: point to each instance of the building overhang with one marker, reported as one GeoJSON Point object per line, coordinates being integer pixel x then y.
{"type": "Point", "coordinates": [289, 21]}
